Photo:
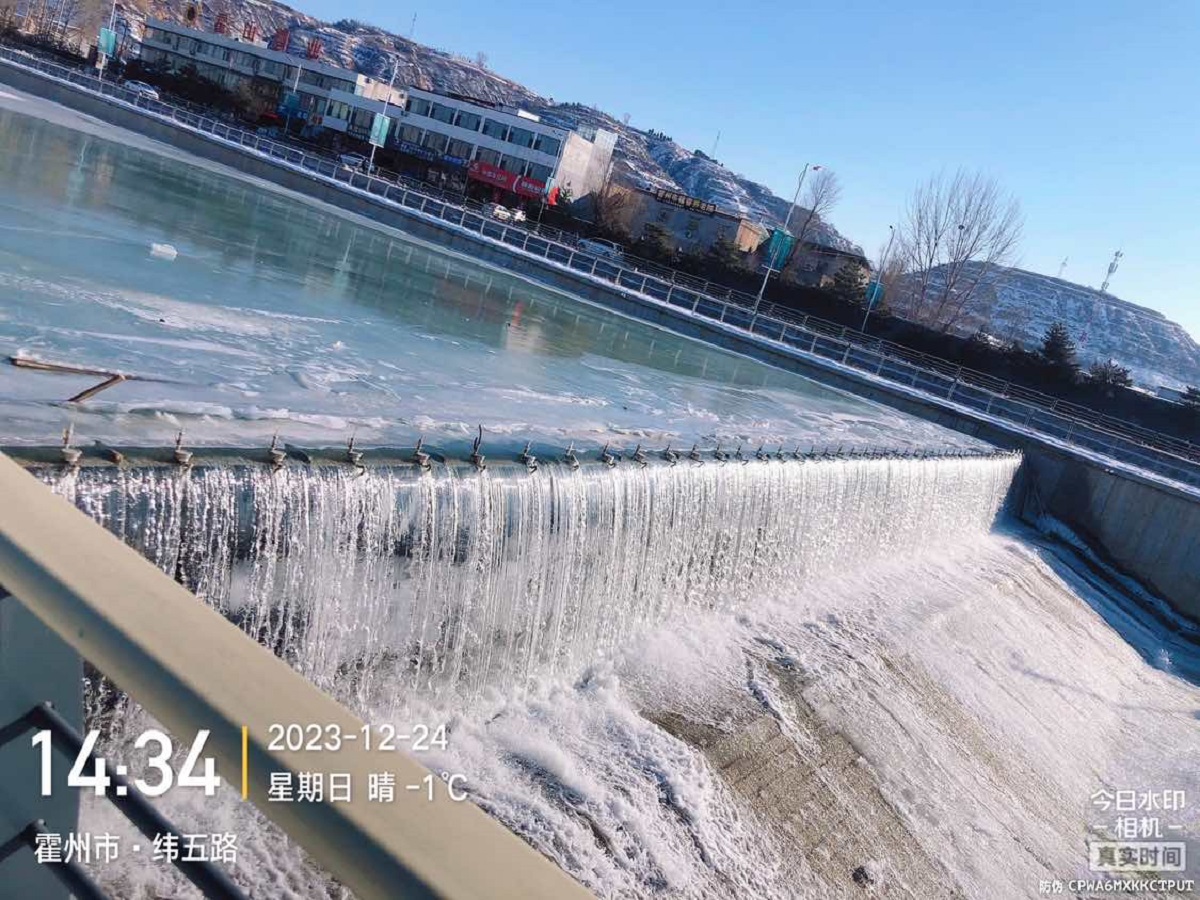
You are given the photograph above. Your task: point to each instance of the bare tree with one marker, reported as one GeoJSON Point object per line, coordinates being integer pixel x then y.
{"type": "Point", "coordinates": [957, 232]}
{"type": "Point", "coordinates": [821, 194]}
{"type": "Point", "coordinates": [613, 206]}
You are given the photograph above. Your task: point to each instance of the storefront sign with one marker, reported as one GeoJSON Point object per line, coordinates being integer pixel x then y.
{"type": "Point", "coordinates": [416, 150]}
{"type": "Point", "coordinates": [493, 175]}
{"type": "Point", "coordinates": [529, 187]}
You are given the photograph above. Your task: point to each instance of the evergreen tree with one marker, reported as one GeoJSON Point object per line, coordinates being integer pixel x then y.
{"type": "Point", "coordinates": [848, 286]}
{"type": "Point", "coordinates": [1059, 355]}
{"type": "Point", "coordinates": [655, 243]}
{"type": "Point", "coordinates": [1109, 374]}
{"type": "Point", "coordinates": [722, 256]}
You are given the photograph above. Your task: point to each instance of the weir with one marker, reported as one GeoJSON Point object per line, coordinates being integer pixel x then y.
{"type": "Point", "coordinates": [387, 579]}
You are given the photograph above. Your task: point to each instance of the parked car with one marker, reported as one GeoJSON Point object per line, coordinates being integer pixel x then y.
{"type": "Point", "coordinates": [353, 161]}
{"type": "Point", "coordinates": [518, 215]}
{"type": "Point", "coordinates": [499, 211]}
{"type": "Point", "coordinates": [140, 87]}
{"type": "Point", "coordinates": [600, 247]}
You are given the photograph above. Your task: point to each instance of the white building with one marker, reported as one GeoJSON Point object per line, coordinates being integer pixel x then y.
{"type": "Point", "coordinates": [327, 96]}
{"type": "Point", "coordinates": [507, 149]}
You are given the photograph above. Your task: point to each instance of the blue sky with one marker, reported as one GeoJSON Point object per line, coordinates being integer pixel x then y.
{"type": "Point", "coordinates": [1088, 113]}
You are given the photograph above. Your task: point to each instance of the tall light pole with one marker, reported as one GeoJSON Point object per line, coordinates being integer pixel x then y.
{"type": "Point", "coordinates": [387, 97]}
{"type": "Point", "coordinates": [287, 125]}
{"type": "Point", "coordinates": [879, 279]}
{"type": "Point", "coordinates": [786, 222]}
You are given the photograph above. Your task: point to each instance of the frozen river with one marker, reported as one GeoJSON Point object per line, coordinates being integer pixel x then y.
{"type": "Point", "coordinates": [262, 313]}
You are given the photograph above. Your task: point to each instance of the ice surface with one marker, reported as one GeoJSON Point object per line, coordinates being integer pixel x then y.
{"type": "Point", "coordinates": [277, 315]}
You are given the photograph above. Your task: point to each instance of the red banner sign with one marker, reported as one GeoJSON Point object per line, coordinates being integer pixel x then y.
{"type": "Point", "coordinates": [505, 180]}
{"type": "Point", "coordinates": [493, 175]}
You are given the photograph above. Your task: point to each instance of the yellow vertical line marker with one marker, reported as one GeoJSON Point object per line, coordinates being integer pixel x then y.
{"type": "Point", "coordinates": [245, 762]}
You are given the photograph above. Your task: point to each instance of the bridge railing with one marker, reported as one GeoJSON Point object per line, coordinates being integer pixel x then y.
{"type": "Point", "coordinates": [1004, 401]}
{"type": "Point", "coordinates": [193, 670]}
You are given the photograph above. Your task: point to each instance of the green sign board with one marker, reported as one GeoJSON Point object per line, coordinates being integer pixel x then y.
{"type": "Point", "coordinates": [379, 129]}
{"type": "Point", "coordinates": [107, 43]}
{"type": "Point", "coordinates": [874, 293]}
{"type": "Point", "coordinates": [779, 248]}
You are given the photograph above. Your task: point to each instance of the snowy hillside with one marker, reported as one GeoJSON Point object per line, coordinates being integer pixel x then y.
{"type": "Point", "coordinates": [643, 159]}
{"type": "Point", "coordinates": [1019, 305]}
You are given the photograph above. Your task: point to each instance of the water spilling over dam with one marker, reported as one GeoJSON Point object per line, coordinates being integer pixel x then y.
{"type": "Point", "coordinates": [460, 580]}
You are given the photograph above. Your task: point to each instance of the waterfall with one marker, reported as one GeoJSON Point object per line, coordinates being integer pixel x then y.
{"type": "Point", "coordinates": [384, 582]}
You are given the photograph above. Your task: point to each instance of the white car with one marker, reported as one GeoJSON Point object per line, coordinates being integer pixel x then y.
{"type": "Point", "coordinates": [352, 161]}
{"type": "Point", "coordinates": [499, 211]}
{"type": "Point", "coordinates": [518, 215]}
{"type": "Point", "coordinates": [145, 90]}
{"type": "Point", "coordinates": [600, 247]}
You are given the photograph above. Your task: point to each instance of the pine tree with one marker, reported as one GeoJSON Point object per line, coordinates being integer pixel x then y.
{"type": "Point", "coordinates": [848, 285]}
{"type": "Point", "coordinates": [722, 256]}
{"type": "Point", "coordinates": [1058, 353]}
{"type": "Point", "coordinates": [1110, 374]}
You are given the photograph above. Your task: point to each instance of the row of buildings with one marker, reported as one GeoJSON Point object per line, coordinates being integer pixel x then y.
{"type": "Point", "coordinates": [462, 143]}
{"type": "Point", "coordinates": [485, 150]}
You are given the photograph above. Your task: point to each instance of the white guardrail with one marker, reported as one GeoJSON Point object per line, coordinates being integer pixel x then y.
{"type": "Point", "coordinates": [193, 670]}
{"type": "Point", "coordinates": [1038, 414]}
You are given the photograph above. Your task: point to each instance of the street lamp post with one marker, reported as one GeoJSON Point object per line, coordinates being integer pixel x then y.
{"type": "Point", "coordinates": [386, 99]}
{"type": "Point", "coordinates": [287, 125]}
{"type": "Point", "coordinates": [786, 222]}
{"type": "Point", "coordinates": [879, 279]}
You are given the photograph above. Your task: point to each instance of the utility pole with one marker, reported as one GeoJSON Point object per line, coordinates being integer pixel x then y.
{"type": "Point", "coordinates": [1112, 268]}
{"type": "Point", "coordinates": [387, 98]}
{"type": "Point", "coordinates": [879, 277]}
{"type": "Point", "coordinates": [287, 126]}
{"type": "Point", "coordinates": [786, 222]}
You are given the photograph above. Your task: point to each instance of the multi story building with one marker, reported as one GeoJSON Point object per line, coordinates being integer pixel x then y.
{"type": "Point", "coordinates": [313, 94]}
{"type": "Point", "coordinates": [490, 151]}
{"type": "Point", "coordinates": [693, 224]}
{"type": "Point", "coordinates": [504, 153]}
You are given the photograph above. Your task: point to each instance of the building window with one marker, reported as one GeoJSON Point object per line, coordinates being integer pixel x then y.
{"type": "Point", "coordinates": [547, 144]}
{"type": "Point", "coordinates": [410, 133]}
{"type": "Point", "coordinates": [495, 129]}
{"type": "Point", "coordinates": [541, 173]}
{"type": "Point", "coordinates": [435, 142]}
{"type": "Point", "coordinates": [442, 113]}
{"type": "Point", "coordinates": [418, 107]}
{"type": "Point", "coordinates": [491, 157]}
{"type": "Point", "coordinates": [460, 149]}
{"type": "Point", "coordinates": [522, 137]}
{"type": "Point", "coordinates": [513, 164]}
{"type": "Point", "coordinates": [469, 121]}
{"type": "Point", "coordinates": [338, 110]}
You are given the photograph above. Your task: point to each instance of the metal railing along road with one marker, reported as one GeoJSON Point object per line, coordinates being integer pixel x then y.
{"type": "Point", "coordinates": [1026, 409]}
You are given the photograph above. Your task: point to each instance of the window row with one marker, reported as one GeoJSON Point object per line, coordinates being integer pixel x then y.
{"type": "Point", "coordinates": [522, 137]}
{"type": "Point", "coordinates": [436, 142]}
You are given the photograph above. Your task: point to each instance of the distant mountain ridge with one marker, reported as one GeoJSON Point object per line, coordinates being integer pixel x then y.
{"type": "Point", "coordinates": [644, 158]}
{"type": "Point", "coordinates": [1018, 305]}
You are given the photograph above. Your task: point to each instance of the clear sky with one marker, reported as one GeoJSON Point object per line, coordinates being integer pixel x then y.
{"type": "Point", "coordinates": [1088, 112]}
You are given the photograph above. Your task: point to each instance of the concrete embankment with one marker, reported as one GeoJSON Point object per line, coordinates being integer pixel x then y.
{"type": "Point", "coordinates": [1145, 529]}
{"type": "Point", "coordinates": [1150, 530]}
